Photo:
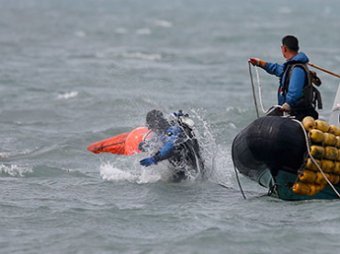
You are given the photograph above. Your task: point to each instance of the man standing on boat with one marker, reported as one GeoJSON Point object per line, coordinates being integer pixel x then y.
{"type": "Point", "coordinates": [296, 94]}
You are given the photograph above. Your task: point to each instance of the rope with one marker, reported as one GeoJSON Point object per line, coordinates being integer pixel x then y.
{"type": "Point", "coordinates": [239, 183]}
{"type": "Point", "coordinates": [224, 186]}
{"type": "Point", "coordinates": [253, 88]}
{"type": "Point", "coordinates": [260, 89]}
{"type": "Point", "coordinates": [313, 160]}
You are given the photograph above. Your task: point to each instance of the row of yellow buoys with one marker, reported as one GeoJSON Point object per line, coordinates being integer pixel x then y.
{"type": "Point", "coordinates": [325, 149]}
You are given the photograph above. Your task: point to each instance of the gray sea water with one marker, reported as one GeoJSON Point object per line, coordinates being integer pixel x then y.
{"type": "Point", "coordinates": [74, 72]}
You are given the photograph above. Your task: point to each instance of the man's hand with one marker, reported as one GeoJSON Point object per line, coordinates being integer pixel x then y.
{"type": "Point", "coordinates": [257, 62]}
{"type": "Point", "coordinates": [148, 161]}
{"type": "Point", "coordinates": [286, 107]}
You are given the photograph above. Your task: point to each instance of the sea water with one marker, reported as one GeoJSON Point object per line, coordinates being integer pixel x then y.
{"type": "Point", "coordinates": [75, 72]}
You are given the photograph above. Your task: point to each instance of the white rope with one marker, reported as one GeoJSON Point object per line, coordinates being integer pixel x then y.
{"type": "Point", "coordinates": [253, 89]}
{"type": "Point", "coordinates": [260, 89]}
{"type": "Point", "coordinates": [313, 160]}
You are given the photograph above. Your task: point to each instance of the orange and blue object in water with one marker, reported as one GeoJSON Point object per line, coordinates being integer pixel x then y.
{"type": "Point", "coordinates": [124, 144]}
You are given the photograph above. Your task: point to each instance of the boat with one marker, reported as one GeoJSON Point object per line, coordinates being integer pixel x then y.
{"type": "Point", "coordinates": [294, 160]}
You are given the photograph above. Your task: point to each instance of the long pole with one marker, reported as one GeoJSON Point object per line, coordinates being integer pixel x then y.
{"type": "Point", "coordinates": [252, 85]}
{"type": "Point", "coordinates": [324, 70]}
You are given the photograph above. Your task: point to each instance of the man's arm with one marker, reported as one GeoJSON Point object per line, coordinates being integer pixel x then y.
{"type": "Point", "coordinates": [274, 69]}
{"type": "Point", "coordinates": [271, 68]}
{"type": "Point", "coordinates": [170, 138]}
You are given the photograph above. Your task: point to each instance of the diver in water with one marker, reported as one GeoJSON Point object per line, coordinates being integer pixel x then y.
{"type": "Point", "coordinates": [175, 141]}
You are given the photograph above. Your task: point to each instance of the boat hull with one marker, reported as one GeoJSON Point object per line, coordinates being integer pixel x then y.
{"type": "Point", "coordinates": [272, 151]}
{"type": "Point", "coordinates": [284, 181]}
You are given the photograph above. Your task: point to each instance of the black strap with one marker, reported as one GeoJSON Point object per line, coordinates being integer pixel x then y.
{"type": "Point", "coordinates": [311, 95]}
{"type": "Point", "coordinates": [318, 97]}
{"type": "Point", "coordinates": [288, 73]}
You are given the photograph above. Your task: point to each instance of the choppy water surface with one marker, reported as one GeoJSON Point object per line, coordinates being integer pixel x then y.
{"type": "Point", "coordinates": [74, 72]}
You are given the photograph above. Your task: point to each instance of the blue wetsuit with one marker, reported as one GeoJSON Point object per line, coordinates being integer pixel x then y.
{"type": "Point", "coordinates": [177, 146]}
{"type": "Point", "coordinates": [170, 138]}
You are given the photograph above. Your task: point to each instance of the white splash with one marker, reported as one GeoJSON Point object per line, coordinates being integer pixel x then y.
{"type": "Point", "coordinates": [110, 173]}
{"type": "Point", "coordinates": [217, 159]}
{"type": "Point", "coordinates": [206, 141]}
{"type": "Point", "coordinates": [67, 95]}
{"type": "Point", "coordinates": [14, 170]}
{"type": "Point", "coordinates": [149, 176]}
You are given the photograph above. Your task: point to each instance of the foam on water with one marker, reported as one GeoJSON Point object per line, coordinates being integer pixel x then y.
{"type": "Point", "coordinates": [109, 172]}
{"type": "Point", "coordinates": [15, 170]}
{"type": "Point", "coordinates": [67, 95]}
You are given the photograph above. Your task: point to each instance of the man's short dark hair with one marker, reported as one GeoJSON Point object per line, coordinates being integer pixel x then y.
{"type": "Point", "coordinates": [291, 42]}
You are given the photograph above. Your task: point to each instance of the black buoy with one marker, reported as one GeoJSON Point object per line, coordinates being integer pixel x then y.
{"type": "Point", "coordinates": [272, 142]}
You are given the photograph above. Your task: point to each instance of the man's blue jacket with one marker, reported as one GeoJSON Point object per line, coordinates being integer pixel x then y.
{"type": "Point", "coordinates": [298, 79]}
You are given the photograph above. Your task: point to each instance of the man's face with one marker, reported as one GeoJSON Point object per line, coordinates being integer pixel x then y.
{"type": "Point", "coordinates": [284, 51]}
